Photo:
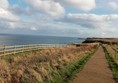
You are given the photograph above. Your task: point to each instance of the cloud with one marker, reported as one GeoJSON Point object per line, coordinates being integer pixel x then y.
{"type": "Point", "coordinates": [47, 6]}
{"type": "Point", "coordinates": [7, 15]}
{"type": "Point", "coordinates": [84, 5]}
{"type": "Point", "coordinates": [4, 4]}
{"type": "Point", "coordinates": [90, 20]}
{"type": "Point", "coordinates": [93, 22]}
{"type": "Point", "coordinates": [113, 5]}
{"type": "Point", "coordinates": [36, 17]}
{"type": "Point", "coordinates": [26, 11]}
{"type": "Point", "coordinates": [34, 28]}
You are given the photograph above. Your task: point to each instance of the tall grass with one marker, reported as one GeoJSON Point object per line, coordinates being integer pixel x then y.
{"type": "Point", "coordinates": [53, 65]}
{"type": "Point", "coordinates": [113, 65]}
{"type": "Point", "coordinates": [69, 72]}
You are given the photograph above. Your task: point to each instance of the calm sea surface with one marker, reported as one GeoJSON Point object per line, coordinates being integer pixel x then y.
{"type": "Point", "coordinates": [23, 39]}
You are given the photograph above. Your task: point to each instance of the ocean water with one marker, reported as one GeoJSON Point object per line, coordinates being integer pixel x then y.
{"type": "Point", "coordinates": [6, 39]}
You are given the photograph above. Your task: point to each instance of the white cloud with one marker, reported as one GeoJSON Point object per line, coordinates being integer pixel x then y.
{"type": "Point", "coordinates": [95, 24]}
{"type": "Point", "coordinates": [48, 6]}
{"type": "Point", "coordinates": [7, 18]}
{"type": "Point", "coordinates": [93, 17]}
{"type": "Point", "coordinates": [4, 4]}
{"type": "Point", "coordinates": [36, 18]}
{"type": "Point", "coordinates": [113, 5]}
{"type": "Point", "coordinates": [12, 25]}
{"type": "Point", "coordinates": [7, 15]}
{"type": "Point", "coordinates": [34, 28]}
{"type": "Point", "coordinates": [84, 5]}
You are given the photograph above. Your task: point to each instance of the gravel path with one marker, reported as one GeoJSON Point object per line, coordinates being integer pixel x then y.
{"type": "Point", "coordinates": [96, 70]}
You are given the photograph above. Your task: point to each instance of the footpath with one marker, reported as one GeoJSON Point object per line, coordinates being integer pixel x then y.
{"type": "Point", "coordinates": [96, 70]}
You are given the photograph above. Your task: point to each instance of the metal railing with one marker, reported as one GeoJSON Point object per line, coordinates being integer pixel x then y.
{"type": "Point", "coordinates": [7, 50]}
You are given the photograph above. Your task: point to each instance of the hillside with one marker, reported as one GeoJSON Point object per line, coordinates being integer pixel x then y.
{"type": "Point", "coordinates": [102, 40]}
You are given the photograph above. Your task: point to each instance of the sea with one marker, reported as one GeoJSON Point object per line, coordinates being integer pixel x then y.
{"type": "Point", "coordinates": [10, 39]}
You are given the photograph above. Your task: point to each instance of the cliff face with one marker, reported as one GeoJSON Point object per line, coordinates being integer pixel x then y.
{"type": "Point", "coordinates": [102, 40]}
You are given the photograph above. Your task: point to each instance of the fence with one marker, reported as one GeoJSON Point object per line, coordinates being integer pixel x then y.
{"type": "Point", "coordinates": [6, 50]}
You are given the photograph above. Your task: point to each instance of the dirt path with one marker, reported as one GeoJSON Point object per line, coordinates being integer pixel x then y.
{"type": "Point", "coordinates": [96, 70]}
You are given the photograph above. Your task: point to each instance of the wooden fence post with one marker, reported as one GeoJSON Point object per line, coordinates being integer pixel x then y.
{"type": "Point", "coordinates": [4, 50]}
{"type": "Point", "coordinates": [14, 50]}
{"type": "Point", "coordinates": [23, 48]}
{"type": "Point", "coordinates": [38, 46]}
{"type": "Point", "coordinates": [28, 47]}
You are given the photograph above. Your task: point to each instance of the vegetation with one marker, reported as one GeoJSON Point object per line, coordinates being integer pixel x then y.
{"type": "Point", "coordinates": [69, 72]}
{"type": "Point", "coordinates": [111, 56]}
{"type": "Point", "coordinates": [113, 51]}
{"type": "Point", "coordinates": [102, 40]}
{"type": "Point", "coordinates": [53, 65]}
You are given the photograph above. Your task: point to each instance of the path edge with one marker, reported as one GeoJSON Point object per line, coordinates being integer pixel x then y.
{"type": "Point", "coordinates": [112, 64]}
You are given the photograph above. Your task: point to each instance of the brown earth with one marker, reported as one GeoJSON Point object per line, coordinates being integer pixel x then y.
{"type": "Point", "coordinates": [96, 70]}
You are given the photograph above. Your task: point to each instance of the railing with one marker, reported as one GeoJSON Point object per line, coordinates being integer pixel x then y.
{"type": "Point", "coordinates": [6, 50]}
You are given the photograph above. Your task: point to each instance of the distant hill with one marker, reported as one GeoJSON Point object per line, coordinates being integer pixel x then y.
{"type": "Point", "coordinates": [102, 40]}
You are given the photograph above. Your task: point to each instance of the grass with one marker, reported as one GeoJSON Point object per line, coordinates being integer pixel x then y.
{"type": "Point", "coordinates": [58, 65]}
{"type": "Point", "coordinates": [19, 56]}
{"type": "Point", "coordinates": [113, 65]}
{"type": "Point", "coordinates": [69, 72]}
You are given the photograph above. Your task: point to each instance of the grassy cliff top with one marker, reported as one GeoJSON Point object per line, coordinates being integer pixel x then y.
{"type": "Point", "coordinates": [102, 40]}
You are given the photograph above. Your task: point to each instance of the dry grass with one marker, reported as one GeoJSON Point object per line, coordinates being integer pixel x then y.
{"type": "Point", "coordinates": [4, 72]}
{"type": "Point", "coordinates": [113, 51]}
{"type": "Point", "coordinates": [41, 65]}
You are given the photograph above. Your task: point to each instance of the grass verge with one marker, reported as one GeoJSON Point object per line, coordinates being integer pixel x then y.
{"type": "Point", "coordinates": [113, 65]}
{"type": "Point", "coordinates": [70, 72]}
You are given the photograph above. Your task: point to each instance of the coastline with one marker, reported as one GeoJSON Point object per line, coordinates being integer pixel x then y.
{"type": "Point", "coordinates": [101, 40]}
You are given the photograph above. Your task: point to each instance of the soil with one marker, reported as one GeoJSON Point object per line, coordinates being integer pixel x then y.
{"type": "Point", "coordinates": [96, 70]}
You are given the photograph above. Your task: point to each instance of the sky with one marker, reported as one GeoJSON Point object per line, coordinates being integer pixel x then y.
{"type": "Point", "coordinates": [70, 18]}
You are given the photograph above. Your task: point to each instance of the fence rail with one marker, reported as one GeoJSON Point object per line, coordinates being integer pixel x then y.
{"type": "Point", "coordinates": [6, 50]}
